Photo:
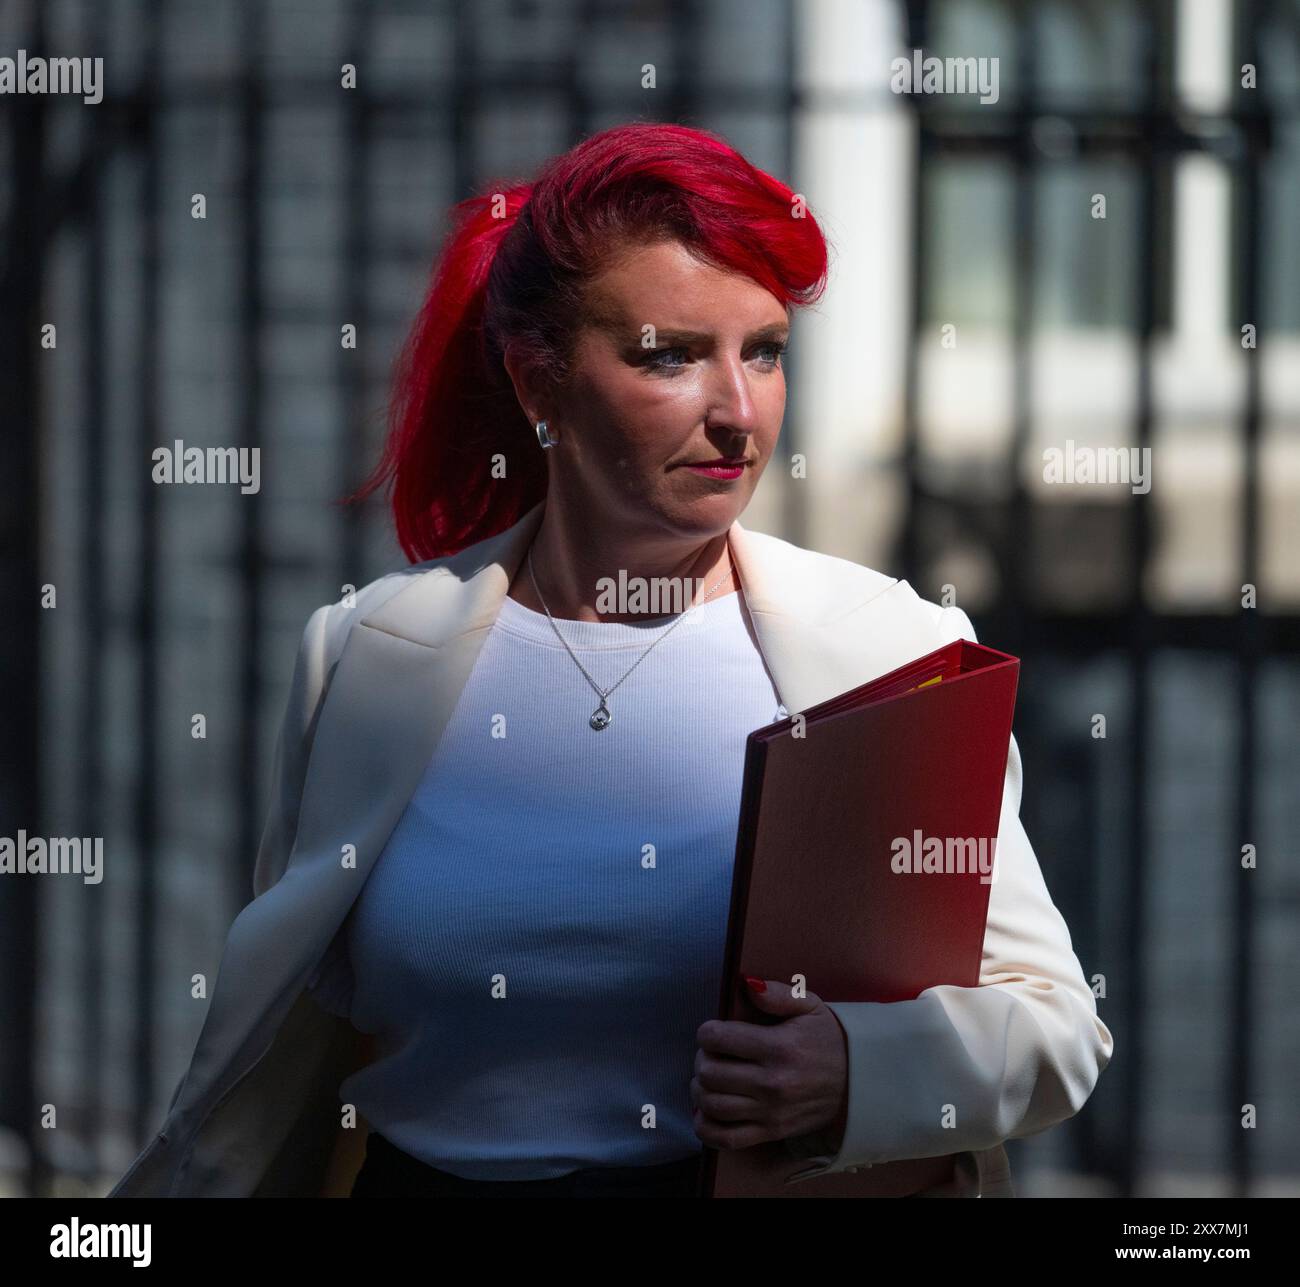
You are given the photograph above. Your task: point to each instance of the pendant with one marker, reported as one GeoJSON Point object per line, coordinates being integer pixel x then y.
{"type": "Point", "coordinates": [600, 717]}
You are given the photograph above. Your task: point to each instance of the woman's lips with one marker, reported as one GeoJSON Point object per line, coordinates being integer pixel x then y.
{"type": "Point", "coordinates": [717, 471]}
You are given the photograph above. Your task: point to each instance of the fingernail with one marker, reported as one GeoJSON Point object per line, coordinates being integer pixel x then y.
{"type": "Point", "coordinates": [755, 985]}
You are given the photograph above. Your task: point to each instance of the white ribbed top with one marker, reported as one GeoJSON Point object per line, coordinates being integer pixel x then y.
{"type": "Point", "coordinates": [543, 933]}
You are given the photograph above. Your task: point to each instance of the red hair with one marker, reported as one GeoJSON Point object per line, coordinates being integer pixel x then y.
{"type": "Point", "coordinates": [512, 270]}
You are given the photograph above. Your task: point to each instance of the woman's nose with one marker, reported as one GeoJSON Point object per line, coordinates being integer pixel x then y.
{"type": "Point", "coordinates": [731, 400]}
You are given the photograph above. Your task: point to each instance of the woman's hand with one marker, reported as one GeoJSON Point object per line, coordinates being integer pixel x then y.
{"type": "Point", "coordinates": [757, 1082]}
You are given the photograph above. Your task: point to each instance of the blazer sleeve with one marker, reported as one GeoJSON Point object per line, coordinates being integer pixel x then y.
{"type": "Point", "coordinates": [1013, 1056]}
{"type": "Point", "coordinates": [331, 983]}
{"type": "Point", "coordinates": [292, 748]}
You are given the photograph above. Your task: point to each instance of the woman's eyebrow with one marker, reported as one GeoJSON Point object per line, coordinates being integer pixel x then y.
{"type": "Point", "coordinates": [668, 335]}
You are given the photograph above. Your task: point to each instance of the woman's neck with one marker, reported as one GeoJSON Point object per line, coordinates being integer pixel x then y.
{"type": "Point", "coordinates": [581, 573]}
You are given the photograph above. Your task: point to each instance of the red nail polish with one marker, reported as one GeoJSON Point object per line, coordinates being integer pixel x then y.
{"type": "Point", "coordinates": [755, 985]}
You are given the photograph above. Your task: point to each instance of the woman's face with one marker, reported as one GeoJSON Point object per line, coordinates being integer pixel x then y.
{"type": "Point", "coordinates": [643, 405]}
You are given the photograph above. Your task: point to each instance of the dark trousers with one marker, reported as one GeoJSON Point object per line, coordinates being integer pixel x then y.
{"type": "Point", "coordinates": [388, 1172]}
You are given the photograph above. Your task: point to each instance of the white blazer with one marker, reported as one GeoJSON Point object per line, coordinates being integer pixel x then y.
{"type": "Point", "coordinates": [376, 680]}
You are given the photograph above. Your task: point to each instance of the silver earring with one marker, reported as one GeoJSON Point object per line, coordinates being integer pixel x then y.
{"type": "Point", "coordinates": [545, 436]}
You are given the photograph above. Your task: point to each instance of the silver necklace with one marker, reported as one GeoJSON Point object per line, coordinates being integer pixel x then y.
{"type": "Point", "coordinates": [601, 717]}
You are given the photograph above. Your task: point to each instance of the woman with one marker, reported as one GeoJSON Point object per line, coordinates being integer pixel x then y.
{"type": "Point", "coordinates": [491, 896]}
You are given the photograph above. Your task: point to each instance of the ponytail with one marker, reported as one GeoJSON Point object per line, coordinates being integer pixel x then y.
{"type": "Point", "coordinates": [452, 410]}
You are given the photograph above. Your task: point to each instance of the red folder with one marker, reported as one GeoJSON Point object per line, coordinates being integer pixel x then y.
{"type": "Point", "coordinates": [829, 798]}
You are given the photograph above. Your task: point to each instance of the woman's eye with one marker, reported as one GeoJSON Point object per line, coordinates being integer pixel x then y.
{"type": "Point", "coordinates": [659, 359]}
{"type": "Point", "coordinates": [657, 355]}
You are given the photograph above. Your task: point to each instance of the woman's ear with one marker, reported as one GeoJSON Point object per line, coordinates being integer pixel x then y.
{"type": "Point", "coordinates": [531, 388]}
